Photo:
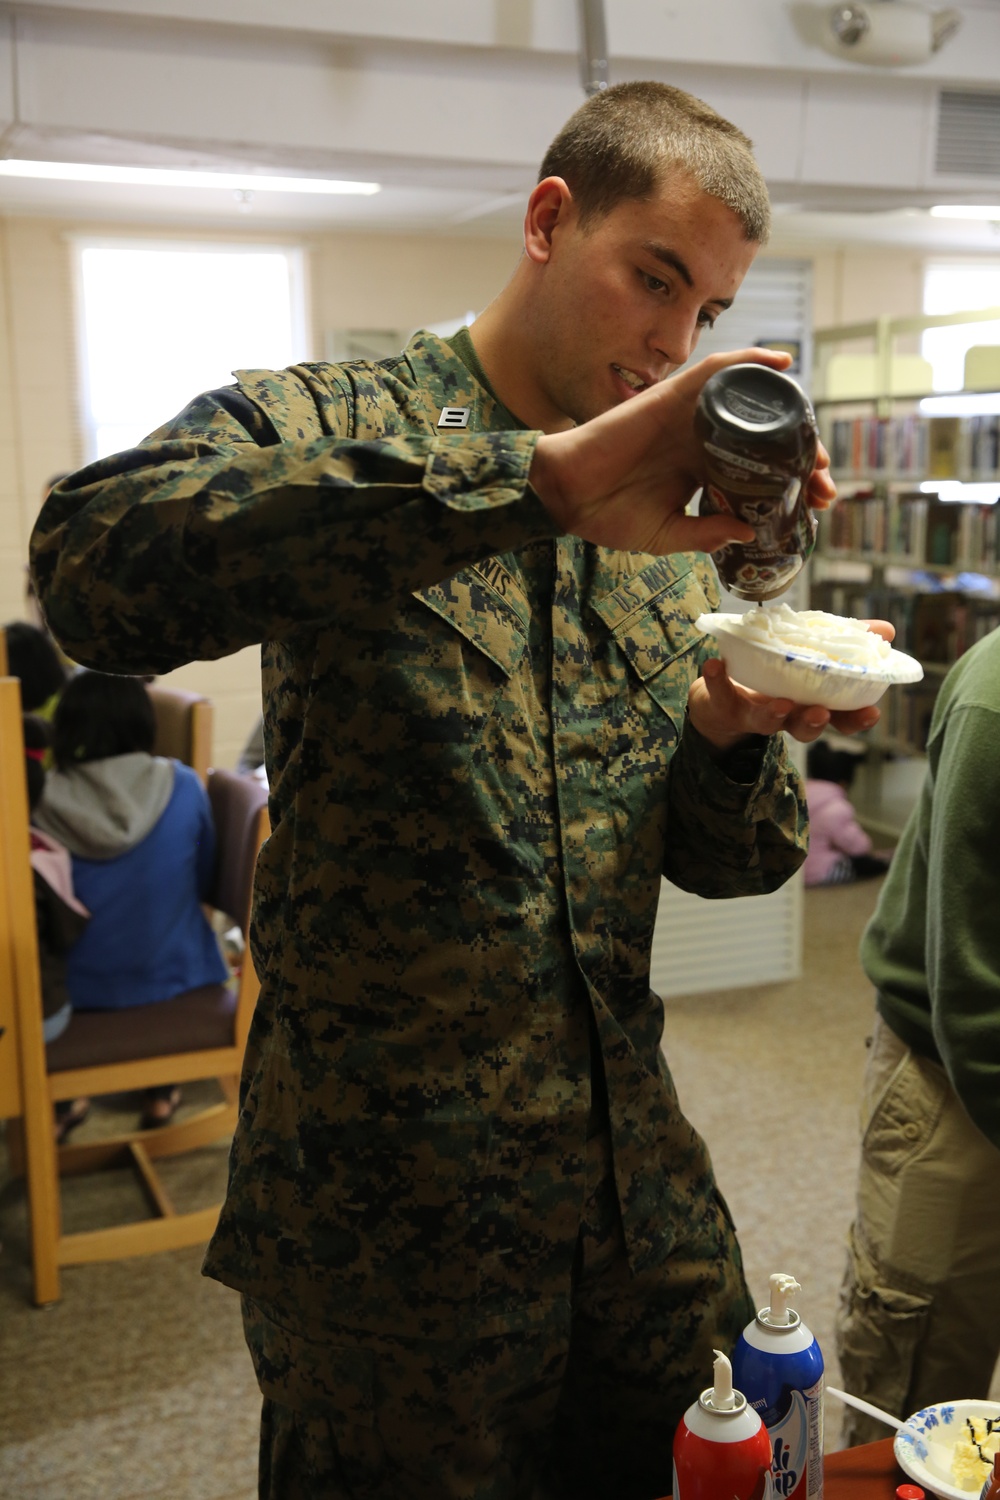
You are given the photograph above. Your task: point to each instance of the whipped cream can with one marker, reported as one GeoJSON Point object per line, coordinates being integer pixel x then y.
{"type": "Point", "coordinates": [778, 1365]}
{"type": "Point", "coordinates": [721, 1448]}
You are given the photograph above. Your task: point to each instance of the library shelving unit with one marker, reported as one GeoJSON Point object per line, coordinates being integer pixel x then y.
{"type": "Point", "coordinates": [907, 540]}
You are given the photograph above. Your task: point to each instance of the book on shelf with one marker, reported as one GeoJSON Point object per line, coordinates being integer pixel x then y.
{"type": "Point", "coordinates": [905, 718]}
{"type": "Point", "coordinates": [943, 456]}
{"type": "Point", "coordinates": [867, 522]}
{"type": "Point", "coordinates": [879, 445]}
{"type": "Point", "coordinates": [914, 529]}
{"type": "Point", "coordinates": [978, 535]}
{"type": "Point", "coordinates": [944, 521]}
{"type": "Point", "coordinates": [915, 447]}
{"type": "Point", "coordinates": [908, 531]}
{"type": "Point", "coordinates": [964, 447]}
{"type": "Point", "coordinates": [938, 627]}
{"type": "Point", "coordinates": [981, 449]}
{"type": "Point", "coordinates": [935, 626]}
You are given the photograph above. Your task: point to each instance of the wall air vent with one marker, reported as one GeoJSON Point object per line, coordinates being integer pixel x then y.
{"type": "Point", "coordinates": [968, 135]}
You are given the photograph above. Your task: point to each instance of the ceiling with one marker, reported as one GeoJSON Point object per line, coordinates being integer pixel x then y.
{"type": "Point", "coordinates": [449, 105]}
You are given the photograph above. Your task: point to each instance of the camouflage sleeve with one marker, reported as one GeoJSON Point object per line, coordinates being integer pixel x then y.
{"type": "Point", "coordinates": [727, 838]}
{"type": "Point", "coordinates": [200, 541]}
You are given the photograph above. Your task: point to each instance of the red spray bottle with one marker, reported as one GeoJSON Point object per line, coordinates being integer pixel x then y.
{"type": "Point", "coordinates": [722, 1450]}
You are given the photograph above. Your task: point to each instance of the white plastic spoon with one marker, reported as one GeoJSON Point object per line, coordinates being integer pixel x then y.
{"type": "Point", "coordinates": [865, 1406]}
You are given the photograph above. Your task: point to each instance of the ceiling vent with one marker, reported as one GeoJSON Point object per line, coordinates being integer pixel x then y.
{"type": "Point", "coordinates": [968, 135]}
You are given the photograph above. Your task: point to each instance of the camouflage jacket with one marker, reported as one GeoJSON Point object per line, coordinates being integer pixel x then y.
{"type": "Point", "coordinates": [479, 769]}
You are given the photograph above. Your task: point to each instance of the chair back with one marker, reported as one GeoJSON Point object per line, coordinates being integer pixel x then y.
{"type": "Point", "coordinates": [184, 725]}
{"type": "Point", "coordinates": [238, 803]}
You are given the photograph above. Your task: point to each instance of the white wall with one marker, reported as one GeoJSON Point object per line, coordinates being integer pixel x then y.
{"type": "Point", "coordinates": [356, 281]}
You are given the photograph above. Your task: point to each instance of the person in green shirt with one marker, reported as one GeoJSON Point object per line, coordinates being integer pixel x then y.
{"type": "Point", "coordinates": [919, 1320]}
{"type": "Point", "coordinates": [481, 1250]}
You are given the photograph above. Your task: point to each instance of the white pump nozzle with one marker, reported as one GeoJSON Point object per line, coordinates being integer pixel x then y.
{"type": "Point", "coordinates": [783, 1289]}
{"type": "Point", "coordinates": [723, 1398]}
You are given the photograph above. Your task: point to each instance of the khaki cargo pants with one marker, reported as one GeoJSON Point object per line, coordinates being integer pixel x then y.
{"type": "Point", "coordinates": [919, 1317]}
{"type": "Point", "coordinates": [567, 1408]}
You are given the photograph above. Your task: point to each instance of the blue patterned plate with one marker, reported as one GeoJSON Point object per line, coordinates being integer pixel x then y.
{"type": "Point", "coordinates": [924, 1447]}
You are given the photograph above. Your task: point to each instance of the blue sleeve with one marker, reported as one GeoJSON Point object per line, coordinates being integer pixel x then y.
{"type": "Point", "coordinates": [205, 830]}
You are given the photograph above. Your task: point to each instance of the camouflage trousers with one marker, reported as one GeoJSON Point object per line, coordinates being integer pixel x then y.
{"type": "Point", "coordinates": [584, 1405]}
{"type": "Point", "coordinates": [919, 1316]}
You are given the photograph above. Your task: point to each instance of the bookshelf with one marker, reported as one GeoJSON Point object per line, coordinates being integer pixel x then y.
{"type": "Point", "coordinates": [907, 539]}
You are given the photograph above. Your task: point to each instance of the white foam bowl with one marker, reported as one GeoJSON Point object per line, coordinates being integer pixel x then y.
{"type": "Point", "coordinates": [787, 672]}
{"type": "Point", "coordinates": [925, 1443]}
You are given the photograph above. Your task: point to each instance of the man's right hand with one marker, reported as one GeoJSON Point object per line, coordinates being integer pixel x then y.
{"type": "Point", "coordinates": [623, 479]}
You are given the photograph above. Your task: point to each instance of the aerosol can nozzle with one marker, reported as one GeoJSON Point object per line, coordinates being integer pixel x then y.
{"type": "Point", "coordinates": [783, 1289]}
{"type": "Point", "coordinates": [723, 1396]}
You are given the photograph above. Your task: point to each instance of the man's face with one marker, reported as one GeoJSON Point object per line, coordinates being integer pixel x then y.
{"type": "Point", "coordinates": [623, 303]}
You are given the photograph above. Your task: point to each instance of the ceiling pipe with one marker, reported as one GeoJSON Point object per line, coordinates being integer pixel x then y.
{"type": "Point", "coordinates": [593, 46]}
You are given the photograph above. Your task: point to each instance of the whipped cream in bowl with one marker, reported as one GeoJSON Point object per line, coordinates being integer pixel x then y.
{"type": "Point", "coordinates": [808, 655]}
{"type": "Point", "coordinates": [949, 1448]}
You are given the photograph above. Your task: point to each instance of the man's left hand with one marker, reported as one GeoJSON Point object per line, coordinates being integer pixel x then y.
{"type": "Point", "coordinates": [725, 713]}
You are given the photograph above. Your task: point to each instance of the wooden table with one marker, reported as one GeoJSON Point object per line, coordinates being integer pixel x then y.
{"type": "Point", "coordinates": [866, 1473]}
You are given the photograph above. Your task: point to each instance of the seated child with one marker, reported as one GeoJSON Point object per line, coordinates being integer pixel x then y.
{"type": "Point", "coordinates": [139, 829]}
{"type": "Point", "coordinates": [839, 849]}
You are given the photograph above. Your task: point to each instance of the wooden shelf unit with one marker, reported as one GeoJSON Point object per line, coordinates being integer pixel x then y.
{"type": "Point", "coordinates": [892, 548]}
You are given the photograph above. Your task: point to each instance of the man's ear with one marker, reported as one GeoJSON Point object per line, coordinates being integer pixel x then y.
{"type": "Point", "coordinates": [551, 204]}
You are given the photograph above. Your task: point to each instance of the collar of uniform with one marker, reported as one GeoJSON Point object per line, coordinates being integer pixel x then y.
{"type": "Point", "coordinates": [448, 379]}
{"type": "Point", "coordinates": [467, 352]}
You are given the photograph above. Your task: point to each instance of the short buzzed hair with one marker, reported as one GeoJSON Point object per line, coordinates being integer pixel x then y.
{"type": "Point", "coordinates": [623, 141]}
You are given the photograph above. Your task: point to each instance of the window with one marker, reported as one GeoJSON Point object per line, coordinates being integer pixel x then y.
{"type": "Point", "coordinates": [160, 322]}
{"type": "Point", "coordinates": [958, 287]}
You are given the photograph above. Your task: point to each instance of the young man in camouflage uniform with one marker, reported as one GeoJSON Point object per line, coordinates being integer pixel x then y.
{"type": "Point", "coordinates": [480, 1248]}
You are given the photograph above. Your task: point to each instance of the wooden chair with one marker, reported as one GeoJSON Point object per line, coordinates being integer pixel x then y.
{"type": "Point", "coordinates": [184, 726]}
{"type": "Point", "coordinates": [197, 1035]}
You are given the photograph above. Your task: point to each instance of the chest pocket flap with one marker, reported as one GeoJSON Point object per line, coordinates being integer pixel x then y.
{"type": "Point", "coordinates": [490, 619]}
{"type": "Point", "coordinates": [651, 615]}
